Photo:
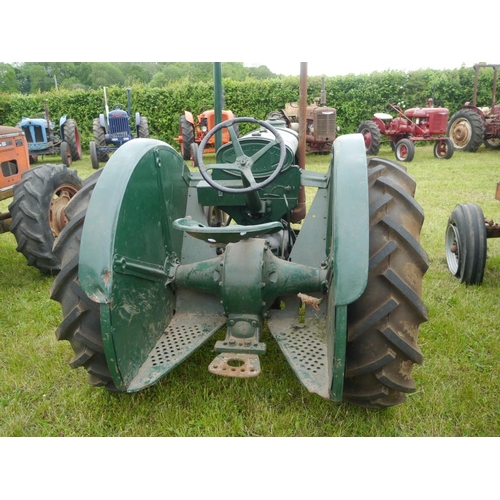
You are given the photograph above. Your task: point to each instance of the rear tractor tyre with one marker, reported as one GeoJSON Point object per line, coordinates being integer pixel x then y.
{"type": "Point", "coordinates": [100, 139]}
{"type": "Point", "coordinates": [38, 213]}
{"type": "Point", "coordinates": [81, 324]}
{"type": "Point", "coordinates": [383, 323]}
{"type": "Point", "coordinates": [371, 135]}
{"type": "Point", "coordinates": [143, 128]}
{"type": "Point", "coordinates": [72, 137]}
{"type": "Point", "coordinates": [466, 243]}
{"type": "Point", "coordinates": [405, 150]}
{"type": "Point", "coordinates": [466, 130]}
{"type": "Point", "coordinates": [187, 133]}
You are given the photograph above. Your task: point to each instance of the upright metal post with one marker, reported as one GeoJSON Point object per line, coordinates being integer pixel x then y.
{"type": "Point", "coordinates": [302, 114]}
{"type": "Point", "coordinates": [299, 212]}
{"type": "Point", "coordinates": [218, 102]}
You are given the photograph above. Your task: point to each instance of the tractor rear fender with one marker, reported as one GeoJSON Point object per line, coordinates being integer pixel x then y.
{"type": "Point", "coordinates": [381, 124]}
{"type": "Point", "coordinates": [189, 117]}
{"type": "Point", "coordinates": [62, 121]}
{"type": "Point", "coordinates": [127, 250]}
{"type": "Point", "coordinates": [134, 167]}
{"type": "Point", "coordinates": [103, 122]}
{"type": "Point", "coordinates": [349, 223]}
{"type": "Point", "coordinates": [477, 110]}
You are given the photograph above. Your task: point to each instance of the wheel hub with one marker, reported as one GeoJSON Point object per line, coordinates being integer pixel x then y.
{"type": "Point", "coordinates": [461, 133]}
{"type": "Point", "coordinates": [57, 215]}
{"type": "Point", "coordinates": [452, 248]}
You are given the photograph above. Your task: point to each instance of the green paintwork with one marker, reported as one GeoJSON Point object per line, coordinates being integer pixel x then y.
{"type": "Point", "coordinates": [128, 247]}
{"type": "Point", "coordinates": [152, 262]}
{"type": "Point", "coordinates": [351, 219]}
{"type": "Point", "coordinates": [230, 234]}
{"type": "Point", "coordinates": [276, 199]}
{"type": "Point", "coordinates": [338, 220]}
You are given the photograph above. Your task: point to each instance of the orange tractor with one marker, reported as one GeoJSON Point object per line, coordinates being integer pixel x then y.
{"type": "Point", "coordinates": [192, 133]}
{"type": "Point", "coordinates": [36, 215]}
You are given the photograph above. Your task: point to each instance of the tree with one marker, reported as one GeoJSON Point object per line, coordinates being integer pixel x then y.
{"type": "Point", "coordinates": [8, 80]}
{"type": "Point", "coordinates": [159, 80]}
{"type": "Point", "coordinates": [104, 74]}
{"type": "Point", "coordinates": [261, 72]}
{"type": "Point", "coordinates": [39, 80]}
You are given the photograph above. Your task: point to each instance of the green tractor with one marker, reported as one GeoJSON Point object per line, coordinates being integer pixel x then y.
{"type": "Point", "coordinates": [157, 258]}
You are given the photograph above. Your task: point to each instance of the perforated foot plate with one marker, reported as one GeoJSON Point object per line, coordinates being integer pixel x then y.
{"type": "Point", "coordinates": [306, 348]}
{"type": "Point", "coordinates": [235, 365]}
{"type": "Point", "coordinates": [186, 333]}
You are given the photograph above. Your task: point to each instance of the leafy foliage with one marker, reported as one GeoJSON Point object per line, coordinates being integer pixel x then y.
{"type": "Point", "coordinates": [163, 91]}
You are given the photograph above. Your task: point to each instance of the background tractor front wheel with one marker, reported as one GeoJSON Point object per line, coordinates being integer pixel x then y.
{"type": "Point", "coordinates": [405, 150]}
{"type": "Point", "coordinates": [94, 157]}
{"type": "Point", "coordinates": [65, 154]}
{"type": "Point", "coordinates": [466, 243]}
{"type": "Point", "coordinates": [371, 135]}
{"type": "Point", "coordinates": [38, 212]}
{"type": "Point", "coordinates": [443, 149]}
{"type": "Point", "coordinates": [383, 323]}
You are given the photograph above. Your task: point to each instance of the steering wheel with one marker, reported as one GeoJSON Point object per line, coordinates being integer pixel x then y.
{"type": "Point", "coordinates": [243, 163]}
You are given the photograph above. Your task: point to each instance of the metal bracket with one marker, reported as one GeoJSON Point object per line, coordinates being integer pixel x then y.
{"type": "Point", "coordinates": [236, 365]}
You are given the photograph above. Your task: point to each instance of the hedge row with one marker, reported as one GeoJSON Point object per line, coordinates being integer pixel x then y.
{"type": "Point", "coordinates": [356, 98]}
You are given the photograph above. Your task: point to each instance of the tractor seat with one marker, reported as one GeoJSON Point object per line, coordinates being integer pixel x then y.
{"type": "Point", "coordinates": [228, 234]}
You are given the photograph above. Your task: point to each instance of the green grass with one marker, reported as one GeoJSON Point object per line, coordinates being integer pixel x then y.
{"type": "Point", "coordinates": [457, 386]}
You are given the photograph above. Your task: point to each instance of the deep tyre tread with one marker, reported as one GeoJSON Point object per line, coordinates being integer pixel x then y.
{"type": "Point", "coordinates": [72, 137]}
{"type": "Point", "coordinates": [187, 133]}
{"type": "Point", "coordinates": [143, 128]}
{"type": "Point", "coordinates": [100, 140]}
{"type": "Point", "coordinates": [81, 324]}
{"type": "Point", "coordinates": [466, 232]}
{"type": "Point", "coordinates": [383, 323]}
{"type": "Point", "coordinates": [466, 130]}
{"type": "Point", "coordinates": [30, 210]}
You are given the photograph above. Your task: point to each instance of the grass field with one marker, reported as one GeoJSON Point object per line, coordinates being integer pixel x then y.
{"type": "Point", "coordinates": [457, 386]}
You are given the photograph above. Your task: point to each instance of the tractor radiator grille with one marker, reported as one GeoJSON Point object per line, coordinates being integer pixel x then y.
{"type": "Point", "coordinates": [438, 123]}
{"type": "Point", "coordinates": [119, 127]}
{"type": "Point", "coordinates": [38, 135]}
{"type": "Point", "coordinates": [324, 124]}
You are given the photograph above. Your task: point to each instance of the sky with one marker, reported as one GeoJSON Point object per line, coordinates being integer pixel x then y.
{"type": "Point", "coordinates": [335, 37]}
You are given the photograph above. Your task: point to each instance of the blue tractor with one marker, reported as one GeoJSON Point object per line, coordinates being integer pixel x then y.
{"type": "Point", "coordinates": [44, 139]}
{"type": "Point", "coordinates": [112, 130]}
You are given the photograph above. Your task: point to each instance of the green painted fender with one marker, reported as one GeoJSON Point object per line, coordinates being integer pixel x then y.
{"type": "Point", "coordinates": [128, 248]}
{"type": "Point", "coordinates": [350, 227]}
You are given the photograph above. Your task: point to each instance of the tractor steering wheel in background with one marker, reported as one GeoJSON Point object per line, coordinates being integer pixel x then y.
{"type": "Point", "coordinates": [243, 163]}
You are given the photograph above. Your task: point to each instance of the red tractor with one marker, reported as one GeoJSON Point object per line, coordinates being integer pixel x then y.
{"type": "Point", "coordinates": [191, 133]}
{"type": "Point", "coordinates": [321, 126]}
{"type": "Point", "coordinates": [472, 125]}
{"type": "Point", "coordinates": [416, 124]}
